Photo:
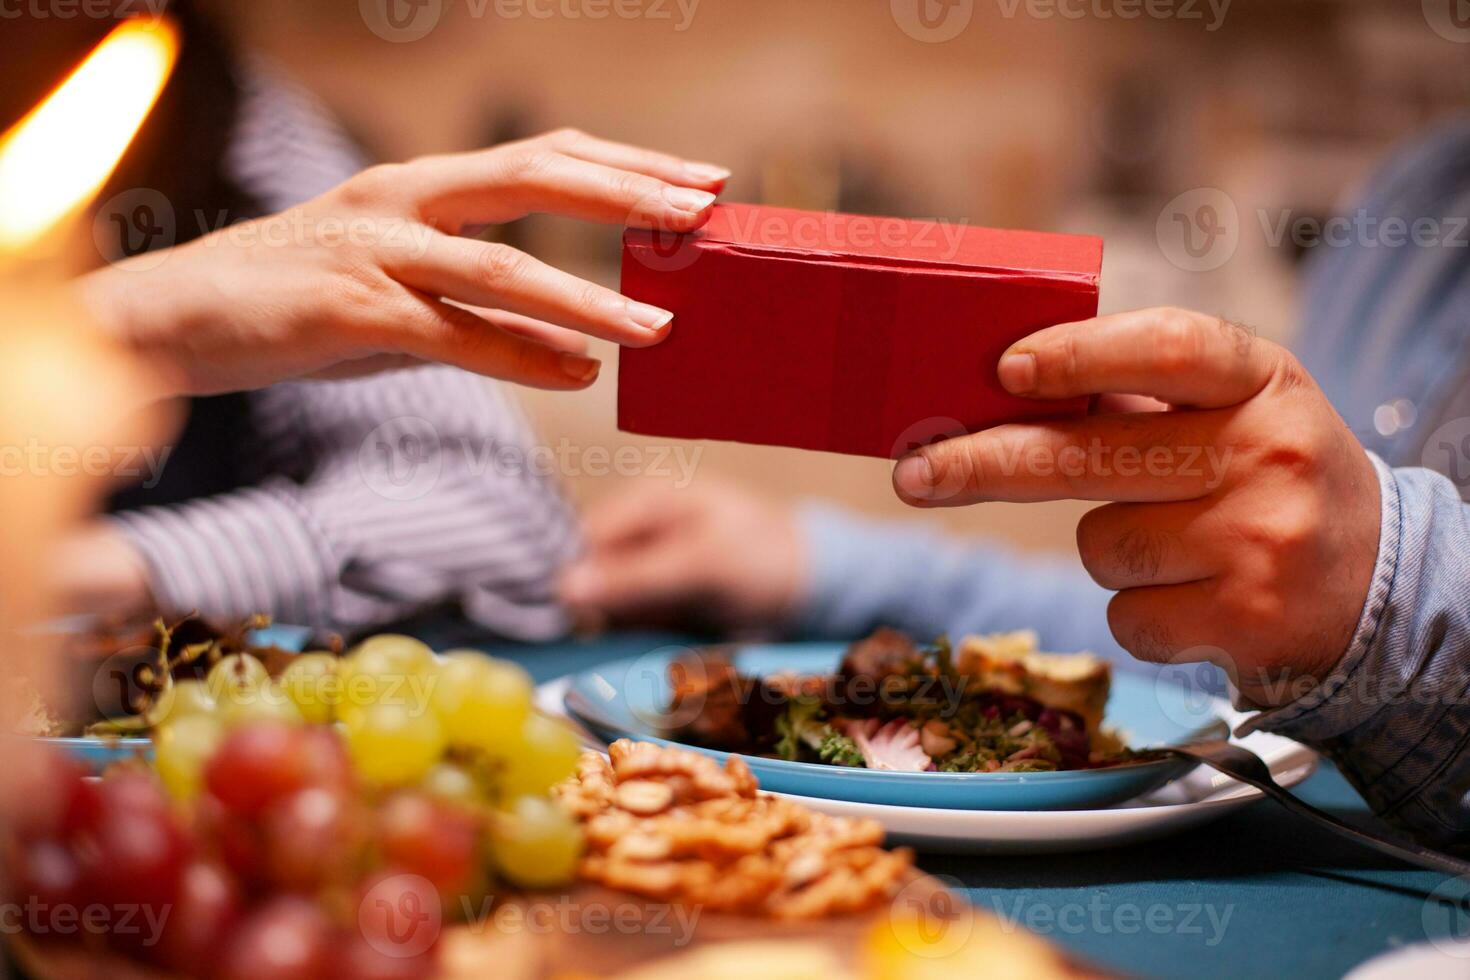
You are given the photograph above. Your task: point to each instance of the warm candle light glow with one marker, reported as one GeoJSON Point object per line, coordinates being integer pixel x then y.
{"type": "Point", "coordinates": [58, 157]}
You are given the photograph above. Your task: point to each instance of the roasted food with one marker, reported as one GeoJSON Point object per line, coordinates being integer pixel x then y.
{"type": "Point", "coordinates": [674, 825]}
{"type": "Point", "coordinates": [996, 705]}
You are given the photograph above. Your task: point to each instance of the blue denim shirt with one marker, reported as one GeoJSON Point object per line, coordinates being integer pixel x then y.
{"type": "Point", "coordinates": [1386, 320]}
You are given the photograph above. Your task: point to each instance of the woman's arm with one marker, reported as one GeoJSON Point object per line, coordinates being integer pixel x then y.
{"type": "Point", "coordinates": [406, 490]}
{"type": "Point", "coordinates": [375, 273]}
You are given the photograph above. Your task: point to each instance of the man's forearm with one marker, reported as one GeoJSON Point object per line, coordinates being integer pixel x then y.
{"type": "Point", "coordinates": [866, 574]}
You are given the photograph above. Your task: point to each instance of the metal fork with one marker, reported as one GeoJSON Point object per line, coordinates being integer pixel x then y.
{"type": "Point", "coordinates": [1246, 766]}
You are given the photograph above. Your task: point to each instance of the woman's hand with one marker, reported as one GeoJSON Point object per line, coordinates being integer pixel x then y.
{"type": "Point", "coordinates": [374, 274]}
{"type": "Point", "coordinates": [1244, 528]}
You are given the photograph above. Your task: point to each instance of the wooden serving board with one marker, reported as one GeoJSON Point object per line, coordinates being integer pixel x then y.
{"type": "Point", "coordinates": [590, 932]}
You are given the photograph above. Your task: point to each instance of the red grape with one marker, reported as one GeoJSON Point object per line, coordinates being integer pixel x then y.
{"type": "Point", "coordinates": [260, 763]}
{"type": "Point", "coordinates": [44, 875]}
{"type": "Point", "coordinates": [136, 849]}
{"type": "Point", "coordinates": [425, 837]}
{"type": "Point", "coordinates": [236, 839]}
{"type": "Point", "coordinates": [43, 790]}
{"type": "Point", "coordinates": [209, 906]}
{"type": "Point", "coordinates": [313, 838]}
{"type": "Point", "coordinates": [287, 938]}
{"type": "Point", "coordinates": [357, 959]}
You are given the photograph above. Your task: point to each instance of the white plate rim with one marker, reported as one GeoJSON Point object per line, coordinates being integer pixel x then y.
{"type": "Point", "coordinates": [1049, 831]}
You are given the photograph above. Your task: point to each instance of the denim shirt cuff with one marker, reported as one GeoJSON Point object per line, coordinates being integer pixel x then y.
{"type": "Point", "coordinates": [1337, 704]}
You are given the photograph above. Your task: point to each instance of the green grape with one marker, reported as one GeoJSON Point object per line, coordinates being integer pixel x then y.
{"type": "Point", "coordinates": [392, 745]}
{"type": "Point", "coordinates": [545, 753]}
{"type": "Point", "coordinates": [536, 844]}
{"type": "Point", "coordinates": [268, 702]}
{"type": "Point", "coordinates": [180, 750]}
{"type": "Point", "coordinates": [311, 682]}
{"type": "Point", "coordinates": [180, 700]}
{"type": "Point", "coordinates": [235, 674]}
{"type": "Point", "coordinates": [400, 654]}
{"type": "Point", "coordinates": [386, 670]}
{"type": "Point", "coordinates": [453, 784]}
{"type": "Point", "coordinates": [482, 702]}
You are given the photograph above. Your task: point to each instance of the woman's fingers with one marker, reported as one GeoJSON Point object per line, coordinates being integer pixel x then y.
{"type": "Point", "coordinates": [664, 166]}
{"type": "Point", "coordinates": [1181, 357]}
{"type": "Point", "coordinates": [489, 274]}
{"type": "Point", "coordinates": [492, 186]}
{"type": "Point", "coordinates": [558, 338]}
{"type": "Point", "coordinates": [432, 330]}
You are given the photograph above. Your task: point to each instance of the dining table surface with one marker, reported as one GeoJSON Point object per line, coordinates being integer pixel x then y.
{"type": "Point", "coordinates": [1257, 893]}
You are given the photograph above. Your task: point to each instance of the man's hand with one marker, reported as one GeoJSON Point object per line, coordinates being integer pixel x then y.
{"type": "Point", "coordinates": [374, 274]}
{"type": "Point", "coordinates": [708, 555]}
{"type": "Point", "coordinates": [1244, 528]}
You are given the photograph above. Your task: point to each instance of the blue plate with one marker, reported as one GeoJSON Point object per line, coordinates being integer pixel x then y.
{"type": "Point", "coordinates": [97, 753]}
{"type": "Point", "coordinates": [629, 699]}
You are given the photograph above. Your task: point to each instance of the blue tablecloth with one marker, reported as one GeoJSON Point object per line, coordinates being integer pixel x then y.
{"type": "Point", "coordinates": [1259, 893]}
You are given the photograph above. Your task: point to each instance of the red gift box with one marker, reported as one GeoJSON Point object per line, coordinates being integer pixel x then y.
{"type": "Point", "coordinates": [841, 332]}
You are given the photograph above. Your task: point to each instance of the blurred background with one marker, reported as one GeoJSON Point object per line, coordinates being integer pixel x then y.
{"type": "Point", "coordinates": [1080, 115]}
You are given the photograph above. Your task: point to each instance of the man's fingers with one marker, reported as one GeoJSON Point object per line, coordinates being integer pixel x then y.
{"type": "Point", "coordinates": [510, 182]}
{"type": "Point", "coordinates": [1181, 357]}
{"type": "Point", "coordinates": [664, 166]}
{"type": "Point", "coordinates": [635, 579]}
{"type": "Point", "coordinates": [489, 274]}
{"type": "Point", "coordinates": [633, 514]}
{"type": "Point", "coordinates": [1153, 456]}
{"type": "Point", "coordinates": [1165, 624]}
{"type": "Point", "coordinates": [1127, 546]}
{"type": "Point", "coordinates": [437, 331]}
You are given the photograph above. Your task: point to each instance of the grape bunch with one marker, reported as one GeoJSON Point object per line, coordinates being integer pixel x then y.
{"type": "Point", "coordinates": [327, 822]}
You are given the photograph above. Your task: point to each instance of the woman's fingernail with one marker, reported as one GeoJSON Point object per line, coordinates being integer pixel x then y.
{"type": "Point", "coordinates": [914, 477]}
{"type": "Point", "coordinates": [649, 318]}
{"type": "Point", "coordinates": [580, 368]}
{"type": "Point", "coordinates": [1017, 372]}
{"type": "Point", "coordinates": [688, 199]}
{"type": "Point", "coordinates": [706, 173]}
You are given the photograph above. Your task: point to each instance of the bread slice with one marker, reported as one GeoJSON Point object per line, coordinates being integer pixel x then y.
{"type": "Point", "coordinates": [1012, 662]}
